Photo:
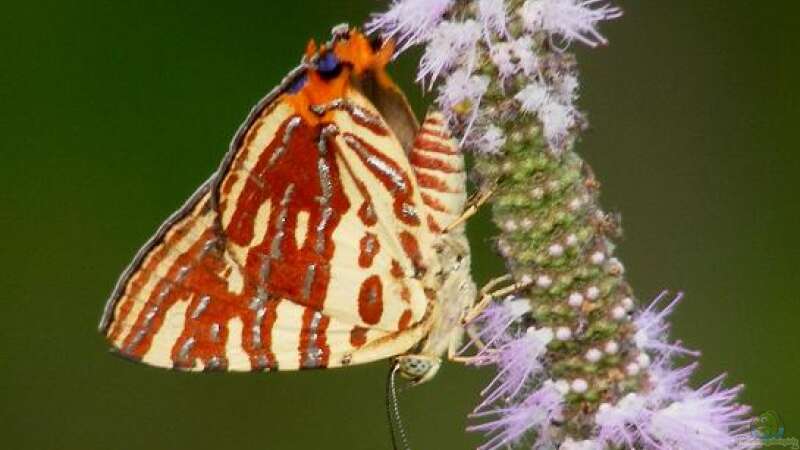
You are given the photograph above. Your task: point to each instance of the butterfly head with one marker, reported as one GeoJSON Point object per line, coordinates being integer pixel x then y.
{"type": "Point", "coordinates": [418, 368]}
{"type": "Point", "coordinates": [351, 61]}
{"type": "Point", "coordinates": [350, 53]}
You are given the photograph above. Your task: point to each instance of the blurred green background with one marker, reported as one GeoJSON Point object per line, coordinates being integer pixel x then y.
{"type": "Point", "coordinates": [111, 113]}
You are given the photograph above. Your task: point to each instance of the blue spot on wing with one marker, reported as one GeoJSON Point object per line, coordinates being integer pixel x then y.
{"type": "Point", "coordinates": [297, 83]}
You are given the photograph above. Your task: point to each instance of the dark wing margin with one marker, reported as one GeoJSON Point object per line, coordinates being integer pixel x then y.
{"type": "Point", "coordinates": [257, 111]}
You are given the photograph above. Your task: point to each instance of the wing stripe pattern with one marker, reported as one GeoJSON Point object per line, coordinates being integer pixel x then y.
{"type": "Point", "coordinates": [389, 175]}
{"type": "Point", "coordinates": [439, 168]}
{"type": "Point", "coordinates": [291, 259]}
{"type": "Point", "coordinates": [171, 270]}
{"type": "Point", "coordinates": [362, 160]}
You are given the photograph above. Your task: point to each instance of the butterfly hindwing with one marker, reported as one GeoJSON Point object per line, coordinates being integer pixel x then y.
{"type": "Point", "coordinates": [439, 168]}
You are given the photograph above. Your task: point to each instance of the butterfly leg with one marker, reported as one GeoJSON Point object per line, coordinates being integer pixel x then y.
{"type": "Point", "coordinates": [473, 206]}
{"type": "Point", "coordinates": [454, 354]}
{"type": "Point", "coordinates": [490, 293]}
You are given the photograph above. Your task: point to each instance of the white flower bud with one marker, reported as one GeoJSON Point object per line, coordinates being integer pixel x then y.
{"type": "Point", "coordinates": [579, 385]}
{"type": "Point", "coordinates": [593, 355]}
{"type": "Point", "coordinates": [575, 299]}
{"type": "Point", "coordinates": [632, 369]}
{"type": "Point", "coordinates": [562, 386]}
{"type": "Point", "coordinates": [627, 303]}
{"type": "Point", "coordinates": [572, 240]}
{"type": "Point", "coordinates": [544, 281]}
{"type": "Point", "coordinates": [563, 334]}
{"type": "Point", "coordinates": [598, 258]}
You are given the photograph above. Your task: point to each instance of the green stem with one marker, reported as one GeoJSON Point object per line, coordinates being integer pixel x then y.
{"type": "Point", "coordinates": [554, 236]}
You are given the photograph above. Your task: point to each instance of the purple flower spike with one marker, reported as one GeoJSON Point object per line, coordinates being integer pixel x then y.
{"type": "Point", "coordinates": [653, 328]}
{"type": "Point", "coordinates": [492, 325]}
{"type": "Point", "coordinates": [537, 412]}
{"type": "Point", "coordinates": [706, 419]}
{"type": "Point", "coordinates": [668, 384]}
{"type": "Point", "coordinates": [409, 22]}
{"type": "Point", "coordinates": [518, 362]}
{"type": "Point", "coordinates": [571, 19]}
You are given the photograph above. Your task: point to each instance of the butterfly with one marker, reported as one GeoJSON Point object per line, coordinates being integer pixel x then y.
{"type": "Point", "coordinates": [328, 236]}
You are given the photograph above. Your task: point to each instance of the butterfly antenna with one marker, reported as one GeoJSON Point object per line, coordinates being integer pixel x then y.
{"type": "Point", "coordinates": [399, 438]}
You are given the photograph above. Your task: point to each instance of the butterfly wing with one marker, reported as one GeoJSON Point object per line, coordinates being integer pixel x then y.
{"type": "Point", "coordinates": [305, 249]}
{"type": "Point", "coordinates": [439, 168]}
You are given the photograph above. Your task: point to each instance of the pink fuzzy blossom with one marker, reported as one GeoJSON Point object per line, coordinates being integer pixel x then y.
{"type": "Point", "coordinates": [532, 97]}
{"type": "Point", "coordinates": [511, 57]}
{"type": "Point", "coordinates": [653, 328]}
{"type": "Point", "coordinates": [503, 58]}
{"type": "Point", "coordinates": [706, 419]}
{"type": "Point", "coordinates": [667, 383]}
{"type": "Point", "coordinates": [518, 362]}
{"type": "Point", "coordinates": [493, 15]}
{"type": "Point", "coordinates": [409, 22]}
{"type": "Point", "coordinates": [463, 88]}
{"type": "Point", "coordinates": [450, 43]}
{"type": "Point", "coordinates": [523, 50]}
{"type": "Point", "coordinates": [569, 19]}
{"type": "Point", "coordinates": [557, 120]}
{"type": "Point", "coordinates": [537, 412]}
{"type": "Point", "coordinates": [670, 415]}
{"type": "Point", "coordinates": [493, 324]}
{"type": "Point", "coordinates": [674, 417]}
{"type": "Point", "coordinates": [492, 140]}
{"type": "Point", "coordinates": [621, 424]}
{"type": "Point", "coordinates": [463, 92]}
{"type": "Point", "coordinates": [570, 444]}
{"type": "Point", "coordinates": [567, 89]}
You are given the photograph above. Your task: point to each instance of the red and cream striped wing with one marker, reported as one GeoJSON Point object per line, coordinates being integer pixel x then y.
{"type": "Point", "coordinates": [166, 308]}
{"type": "Point", "coordinates": [439, 168]}
{"type": "Point", "coordinates": [306, 250]}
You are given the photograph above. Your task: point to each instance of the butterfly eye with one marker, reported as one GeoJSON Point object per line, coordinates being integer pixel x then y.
{"type": "Point", "coordinates": [328, 65]}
